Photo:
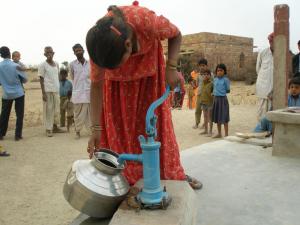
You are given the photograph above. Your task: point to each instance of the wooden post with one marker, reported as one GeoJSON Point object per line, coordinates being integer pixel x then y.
{"type": "Point", "coordinates": [281, 56]}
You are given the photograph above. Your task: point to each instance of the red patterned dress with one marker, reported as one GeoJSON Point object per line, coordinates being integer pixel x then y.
{"type": "Point", "coordinates": [129, 90]}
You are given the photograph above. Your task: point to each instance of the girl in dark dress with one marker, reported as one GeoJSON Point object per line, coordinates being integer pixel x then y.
{"type": "Point", "coordinates": [220, 111]}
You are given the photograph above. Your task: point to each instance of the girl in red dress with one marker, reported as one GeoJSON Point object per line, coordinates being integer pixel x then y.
{"type": "Point", "coordinates": [128, 73]}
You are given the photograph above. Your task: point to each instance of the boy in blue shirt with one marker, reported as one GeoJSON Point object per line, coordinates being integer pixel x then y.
{"type": "Point", "coordinates": [65, 86]}
{"type": "Point", "coordinates": [293, 101]}
{"type": "Point", "coordinates": [294, 95]}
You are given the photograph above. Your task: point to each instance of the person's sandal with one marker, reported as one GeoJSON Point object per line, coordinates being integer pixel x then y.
{"type": "Point", "coordinates": [57, 130]}
{"type": "Point", "coordinates": [49, 133]}
{"type": "Point", "coordinates": [4, 154]}
{"type": "Point", "coordinates": [194, 183]}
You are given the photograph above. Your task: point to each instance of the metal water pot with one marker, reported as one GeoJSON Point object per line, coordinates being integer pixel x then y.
{"type": "Point", "coordinates": [96, 187]}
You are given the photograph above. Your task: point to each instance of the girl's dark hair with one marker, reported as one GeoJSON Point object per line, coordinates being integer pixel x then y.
{"type": "Point", "coordinates": [4, 52]}
{"type": "Point", "coordinates": [221, 66]}
{"type": "Point", "coordinates": [295, 80]}
{"type": "Point", "coordinates": [105, 46]}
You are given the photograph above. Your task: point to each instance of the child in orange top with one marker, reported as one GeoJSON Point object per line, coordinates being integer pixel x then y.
{"type": "Point", "coordinates": [190, 91]}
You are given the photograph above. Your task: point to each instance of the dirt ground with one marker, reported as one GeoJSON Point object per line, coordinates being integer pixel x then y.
{"type": "Point", "coordinates": [32, 178]}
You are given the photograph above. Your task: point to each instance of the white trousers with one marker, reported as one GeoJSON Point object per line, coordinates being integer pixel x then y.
{"type": "Point", "coordinates": [264, 105]}
{"type": "Point", "coordinates": [51, 110]}
{"type": "Point", "coordinates": [82, 116]}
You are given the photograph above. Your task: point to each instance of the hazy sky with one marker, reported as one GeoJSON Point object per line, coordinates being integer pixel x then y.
{"type": "Point", "coordinates": [29, 25]}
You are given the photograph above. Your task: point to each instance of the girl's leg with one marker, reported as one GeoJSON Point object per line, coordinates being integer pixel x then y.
{"type": "Point", "coordinates": [205, 114]}
{"type": "Point", "coordinates": [219, 135]}
{"type": "Point", "coordinates": [226, 129]}
{"type": "Point", "coordinates": [209, 122]}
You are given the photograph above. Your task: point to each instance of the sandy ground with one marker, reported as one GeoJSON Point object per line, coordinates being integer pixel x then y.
{"type": "Point", "coordinates": [31, 180]}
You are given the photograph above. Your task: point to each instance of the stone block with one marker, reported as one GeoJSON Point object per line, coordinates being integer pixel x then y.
{"type": "Point", "coordinates": [287, 132]}
{"type": "Point", "coordinates": [181, 211]}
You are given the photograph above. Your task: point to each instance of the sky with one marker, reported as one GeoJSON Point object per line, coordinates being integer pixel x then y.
{"type": "Point", "coordinates": [28, 26]}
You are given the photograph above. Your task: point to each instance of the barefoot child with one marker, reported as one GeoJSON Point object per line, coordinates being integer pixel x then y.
{"type": "Point", "coordinates": [220, 111]}
{"type": "Point", "coordinates": [206, 101]}
{"type": "Point", "coordinates": [202, 65]}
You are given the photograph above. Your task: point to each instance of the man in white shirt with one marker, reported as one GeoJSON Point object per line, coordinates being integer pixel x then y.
{"type": "Point", "coordinates": [264, 83]}
{"type": "Point", "coordinates": [48, 72]}
{"type": "Point", "coordinates": [80, 75]}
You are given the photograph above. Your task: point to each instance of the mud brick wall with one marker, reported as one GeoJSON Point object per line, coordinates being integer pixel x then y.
{"type": "Point", "coordinates": [234, 51]}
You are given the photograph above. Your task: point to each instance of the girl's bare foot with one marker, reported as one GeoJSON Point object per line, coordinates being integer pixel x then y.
{"type": "Point", "coordinates": [203, 132]}
{"type": "Point", "coordinates": [217, 136]}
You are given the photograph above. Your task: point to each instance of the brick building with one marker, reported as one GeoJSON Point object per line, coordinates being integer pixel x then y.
{"type": "Point", "coordinates": [234, 51]}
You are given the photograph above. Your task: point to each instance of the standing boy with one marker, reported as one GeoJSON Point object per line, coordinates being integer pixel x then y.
{"type": "Point", "coordinates": [202, 64]}
{"type": "Point", "coordinates": [206, 101]}
{"type": "Point", "coordinates": [65, 86]}
{"type": "Point", "coordinates": [80, 75]}
{"type": "Point", "coordinates": [48, 73]}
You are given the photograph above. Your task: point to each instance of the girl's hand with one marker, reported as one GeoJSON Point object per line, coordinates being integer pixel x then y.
{"type": "Point", "coordinates": [172, 78]}
{"type": "Point", "coordinates": [93, 143]}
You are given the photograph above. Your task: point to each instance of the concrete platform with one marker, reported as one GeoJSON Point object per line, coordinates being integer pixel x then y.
{"type": "Point", "coordinates": [182, 210]}
{"type": "Point", "coordinates": [287, 132]}
{"type": "Point", "coordinates": [242, 185]}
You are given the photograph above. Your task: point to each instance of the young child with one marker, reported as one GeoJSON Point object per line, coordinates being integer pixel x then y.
{"type": "Point", "coordinates": [202, 65]}
{"type": "Point", "coordinates": [293, 100]}
{"type": "Point", "coordinates": [69, 108]}
{"type": "Point", "coordinates": [220, 111]}
{"type": "Point", "coordinates": [190, 91]}
{"type": "Point", "coordinates": [16, 56]}
{"type": "Point", "coordinates": [64, 87]}
{"type": "Point", "coordinates": [206, 101]}
{"type": "Point", "coordinates": [294, 92]}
